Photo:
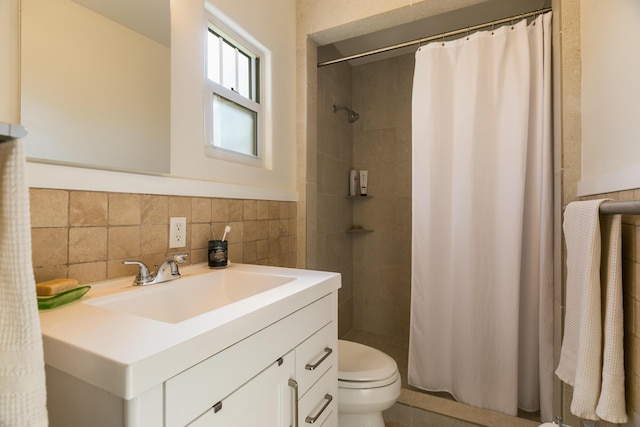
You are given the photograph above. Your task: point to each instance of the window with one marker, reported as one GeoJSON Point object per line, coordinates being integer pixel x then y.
{"type": "Point", "coordinates": [234, 111]}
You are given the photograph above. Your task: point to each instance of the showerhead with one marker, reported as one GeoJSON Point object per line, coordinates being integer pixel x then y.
{"type": "Point", "coordinates": [352, 116]}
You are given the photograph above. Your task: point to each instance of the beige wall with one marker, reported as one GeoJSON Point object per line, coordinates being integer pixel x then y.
{"type": "Point", "coordinates": [334, 157]}
{"type": "Point", "coordinates": [610, 95]}
{"type": "Point", "coordinates": [382, 145]}
{"type": "Point", "coordinates": [568, 137]}
{"type": "Point", "coordinates": [87, 234]}
{"type": "Point", "coordinates": [328, 22]}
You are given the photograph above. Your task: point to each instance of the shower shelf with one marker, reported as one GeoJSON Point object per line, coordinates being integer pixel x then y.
{"type": "Point", "coordinates": [354, 229]}
{"type": "Point", "coordinates": [359, 230]}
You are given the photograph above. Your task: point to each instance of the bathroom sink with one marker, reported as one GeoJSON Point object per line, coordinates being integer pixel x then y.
{"type": "Point", "coordinates": [190, 296]}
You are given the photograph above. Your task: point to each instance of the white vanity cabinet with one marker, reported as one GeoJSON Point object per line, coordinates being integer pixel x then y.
{"type": "Point", "coordinates": [272, 365]}
{"type": "Point", "coordinates": [252, 378]}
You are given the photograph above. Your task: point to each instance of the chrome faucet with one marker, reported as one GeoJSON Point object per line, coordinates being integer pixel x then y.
{"type": "Point", "coordinates": [168, 270]}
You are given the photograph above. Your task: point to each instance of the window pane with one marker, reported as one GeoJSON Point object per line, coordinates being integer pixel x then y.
{"type": "Point", "coordinates": [234, 126]}
{"type": "Point", "coordinates": [228, 66]}
{"type": "Point", "coordinates": [244, 87]}
{"type": "Point", "coordinates": [213, 57]}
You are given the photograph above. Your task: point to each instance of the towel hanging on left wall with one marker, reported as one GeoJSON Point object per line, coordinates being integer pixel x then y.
{"type": "Point", "coordinates": [22, 376]}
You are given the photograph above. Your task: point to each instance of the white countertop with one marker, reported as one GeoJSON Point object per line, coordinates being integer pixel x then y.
{"type": "Point", "coordinates": [128, 355]}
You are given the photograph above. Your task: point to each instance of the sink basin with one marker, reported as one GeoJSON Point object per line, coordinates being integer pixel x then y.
{"type": "Point", "coordinates": [190, 296]}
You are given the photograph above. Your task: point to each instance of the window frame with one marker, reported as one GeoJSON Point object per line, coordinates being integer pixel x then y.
{"type": "Point", "coordinates": [256, 104]}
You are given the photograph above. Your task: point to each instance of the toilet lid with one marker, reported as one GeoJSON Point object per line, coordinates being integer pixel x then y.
{"type": "Point", "coordinates": [357, 362]}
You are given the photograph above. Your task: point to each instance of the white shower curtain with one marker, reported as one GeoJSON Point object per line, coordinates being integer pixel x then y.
{"type": "Point", "coordinates": [481, 311]}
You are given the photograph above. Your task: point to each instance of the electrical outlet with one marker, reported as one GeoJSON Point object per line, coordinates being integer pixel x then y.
{"type": "Point", "coordinates": [177, 232]}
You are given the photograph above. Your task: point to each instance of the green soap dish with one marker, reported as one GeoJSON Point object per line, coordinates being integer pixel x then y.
{"type": "Point", "coordinates": [47, 303]}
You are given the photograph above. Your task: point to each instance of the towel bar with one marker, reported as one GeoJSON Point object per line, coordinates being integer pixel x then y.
{"type": "Point", "coordinates": [9, 132]}
{"type": "Point", "coordinates": [627, 207]}
{"type": "Point", "coordinates": [630, 207]}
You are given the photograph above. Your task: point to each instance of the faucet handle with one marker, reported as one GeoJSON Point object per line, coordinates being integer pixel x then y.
{"type": "Point", "coordinates": [143, 275]}
{"type": "Point", "coordinates": [180, 258]}
{"type": "Point", "coordinates": [173, 262]}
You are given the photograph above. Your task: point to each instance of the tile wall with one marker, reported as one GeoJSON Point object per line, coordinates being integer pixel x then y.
{"type": "Point", "coordinates": [334, 246]}
{"type": "Point", "coordinates": [382, 145]}
{"type": "Point", "coordinates": [86, 235]}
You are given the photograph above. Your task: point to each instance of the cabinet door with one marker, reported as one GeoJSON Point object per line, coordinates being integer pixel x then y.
{"type": "Point", "coordinates": [266, 401]}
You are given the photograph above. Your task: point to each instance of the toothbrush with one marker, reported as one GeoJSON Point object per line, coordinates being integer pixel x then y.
{"type": "Point", "coordinates": [226, 230]}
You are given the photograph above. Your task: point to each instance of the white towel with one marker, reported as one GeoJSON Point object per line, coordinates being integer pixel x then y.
{"type": "Point", "coordinates": [22, 378]}
{"type": "Point", "coordinates": [581, 358]}
{"type": "Point", "coordinates": [611, 405]}
{"type": "Point", "coordinates": [581, 355]}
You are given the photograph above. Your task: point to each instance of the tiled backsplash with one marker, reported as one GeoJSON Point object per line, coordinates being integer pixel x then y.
{"type": "Point", "coordinates": [86, 235]}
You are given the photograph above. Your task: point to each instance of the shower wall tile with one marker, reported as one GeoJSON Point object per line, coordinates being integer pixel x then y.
{"type": "Point", "coordinates": [382, 145]}
{"type": "Point", "coordinates": [86, 235]}
{"type": "Point", "coordinates": [331, 248]}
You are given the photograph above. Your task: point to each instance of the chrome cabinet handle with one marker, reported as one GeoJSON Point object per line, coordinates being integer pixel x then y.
{"type": "Point", "coordinates": [311, 367]}
{"type": "Point", "coordinates": [311, 419]}
{"type": "Point", "coordinates": [294, 385]}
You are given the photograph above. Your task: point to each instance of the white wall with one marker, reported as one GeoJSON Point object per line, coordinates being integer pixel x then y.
{"type": "Point", "coordinates": [272, 24]}
{"type": "Point", "coordinates": [610, 96]}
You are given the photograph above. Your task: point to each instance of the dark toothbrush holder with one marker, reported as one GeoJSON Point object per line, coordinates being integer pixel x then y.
{"type": "Point", "coordinates": [218, 253]}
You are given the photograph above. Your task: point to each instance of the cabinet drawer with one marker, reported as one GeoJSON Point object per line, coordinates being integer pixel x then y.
{"type": "Point", "coordinates": [315, 356]}
{"type": "Point", "coordinates": [320, 402]}
{"type": "Point", "coordinates": [197, 389]}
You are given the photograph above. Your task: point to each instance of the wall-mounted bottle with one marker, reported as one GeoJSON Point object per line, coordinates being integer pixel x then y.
{"type": "Point", "coordinates": [353, 182]}
{"type": "Point", "coordinates": [363, 182]}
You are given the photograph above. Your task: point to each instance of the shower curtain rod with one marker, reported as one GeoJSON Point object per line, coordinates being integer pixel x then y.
{"type": "Point", "coordinates": [435, 37]}
{"type": "Point", "coordinates": [631, 207]}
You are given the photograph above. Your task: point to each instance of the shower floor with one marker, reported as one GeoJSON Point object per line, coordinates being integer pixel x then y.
{"type": "Point", "coordinates": [417, 408]}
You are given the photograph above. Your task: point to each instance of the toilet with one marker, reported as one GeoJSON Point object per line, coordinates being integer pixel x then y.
{"type": "Point", "coordinates": [368, 383]}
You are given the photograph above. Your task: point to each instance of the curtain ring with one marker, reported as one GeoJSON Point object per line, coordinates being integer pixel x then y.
{"type": "Point", "coordinates": [443, 40]}
{"type": "Point", "coordinates": [468, 32]}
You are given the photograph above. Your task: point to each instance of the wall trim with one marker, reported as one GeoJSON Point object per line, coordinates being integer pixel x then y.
{"type": "Point", "coordinates": [44, 175]}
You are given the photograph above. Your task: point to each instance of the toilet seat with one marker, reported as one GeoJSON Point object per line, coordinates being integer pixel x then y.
{"type": "Point", "coordinates": [361, 366]}
{"type": "Point", "coordinates": [369, 384]}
